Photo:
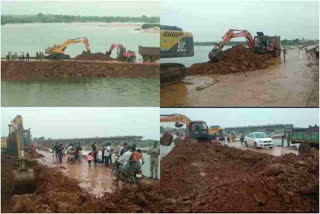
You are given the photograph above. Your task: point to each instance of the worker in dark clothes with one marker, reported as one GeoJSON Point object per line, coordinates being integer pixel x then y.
{"type": "Point", "coordinates": [284, 54]}
{"type": "Point", "coordinates": [60, 153]}
{"type": "Point", "coordinates": [28, 56]}
{"type": "Point", "coordinates": [288, 138]}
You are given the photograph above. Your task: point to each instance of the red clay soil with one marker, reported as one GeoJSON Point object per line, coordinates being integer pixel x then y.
{"type": "Point", "coordinates": [236, 59]}
{"type": "Point", "coordinates": [55, 69]}
{"type": "Point", "coordinates": [58, 193]}
{"type": "Point", "coordinates": [202, 177]}
{"type": "Point", "coordinates": [94, 56]}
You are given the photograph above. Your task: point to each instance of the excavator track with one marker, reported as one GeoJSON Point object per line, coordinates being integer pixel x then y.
{"type": "Point", "coordinates": [171, 73]}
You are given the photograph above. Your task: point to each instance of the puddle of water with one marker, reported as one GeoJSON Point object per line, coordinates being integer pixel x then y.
{"type": "Point", "coordinates": [275, 151]}
{"type": "Point", "coordinates": [95, 179]}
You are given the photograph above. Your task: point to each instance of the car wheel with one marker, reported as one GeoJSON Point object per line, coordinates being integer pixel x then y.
{"type": "Point", "coordinates": [255, 145]}
{"type": "Point", "coordinates": [245, 142]}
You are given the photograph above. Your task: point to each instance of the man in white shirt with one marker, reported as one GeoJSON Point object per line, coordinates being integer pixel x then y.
{"type": "Point", "coordinates": [124, 159]}
{"type": "Point", "coordinates": [107, 154]}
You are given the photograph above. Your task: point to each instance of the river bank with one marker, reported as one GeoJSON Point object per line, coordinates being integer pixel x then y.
{"type": "Point", "coordinates": [44, 70]}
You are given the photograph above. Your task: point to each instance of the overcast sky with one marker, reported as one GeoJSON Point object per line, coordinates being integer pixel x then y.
{"type": "Point", "coordinates": [82, 8]}
{"type": "Point", "coordinates": [231, 117]}
{"type": "Point", "coordinates": [85, 122]}
{"type": "Point", "coordinates": [209, 20]}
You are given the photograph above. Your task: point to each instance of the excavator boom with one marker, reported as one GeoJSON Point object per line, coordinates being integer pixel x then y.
{"type": "Point", "coordinates": [58, 50]}
{"type": "Point", "coordinates": [216, 53]}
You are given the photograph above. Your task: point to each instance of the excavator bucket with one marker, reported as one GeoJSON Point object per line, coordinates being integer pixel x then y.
{"type": "Point", "coordinates": [24, 181]}
{"type": "Point", "coordinates": [171, 73]}
{"type": "Point", "coordinates": [215, 55]}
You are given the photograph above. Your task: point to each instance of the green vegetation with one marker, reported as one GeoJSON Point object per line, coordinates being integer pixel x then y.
{"type": "Point", "coordinates": [41, 18]}
{"type": "Point", "coordinates": [303, 42]}
{"type": "Point", "coordinates": [231, 43]}
{"type": "Point", "coordinates": [148, 25]}
{"type": "Point", "coordinates": [146, 143]}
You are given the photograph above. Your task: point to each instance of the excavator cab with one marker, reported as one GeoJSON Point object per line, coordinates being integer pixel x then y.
{"type": "Point", "coordinates": [198, 130]}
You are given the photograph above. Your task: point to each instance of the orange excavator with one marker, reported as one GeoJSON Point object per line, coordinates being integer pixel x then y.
{"type": "Point", "coordinates": [260, 44]}
{"type": "Point", "coordinates": [57, 51]}
{"type": "Point", "coordinates": [216, 53]}
{"type": "Point", "coordinates": [122, 54]}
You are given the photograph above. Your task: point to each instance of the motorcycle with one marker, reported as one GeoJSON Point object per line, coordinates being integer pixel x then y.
{"type": "Point", "coordinates": [117, 175]}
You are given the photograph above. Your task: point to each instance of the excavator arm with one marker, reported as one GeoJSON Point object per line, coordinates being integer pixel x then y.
{"type": "Point", "coordinates": [117, 46]}
{"type": "Point", "coordinates": [177, 118]}
{"type": "Point", "coordinates": [61, 48]}
{"type": "Point", "coordinates": [216, 53]}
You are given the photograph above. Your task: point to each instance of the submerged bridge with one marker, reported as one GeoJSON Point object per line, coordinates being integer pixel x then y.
{"type": "Point", "coordinates": [272, 129]}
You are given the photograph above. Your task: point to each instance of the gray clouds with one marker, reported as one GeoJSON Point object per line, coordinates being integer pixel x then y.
{"type": "Point", "coordinates": [85, 122]}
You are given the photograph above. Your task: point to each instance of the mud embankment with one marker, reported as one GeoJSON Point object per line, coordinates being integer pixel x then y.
{"type": "Point", "coordinates": [57, 193]}
{"type": "Point", "coordinates": [236, 59]}
{"type": "Point", "coordinates": [199, 177]}
{"type": "Point", "coordinates": [44, 70]}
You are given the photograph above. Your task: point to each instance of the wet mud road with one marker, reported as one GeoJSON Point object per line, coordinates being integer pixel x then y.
{"type": "Point", "coordinates": [275, 151]}
{"type": "Point", "coordinates": [289, 83]}
{"type": "Point", "coordinates": [96, 180]}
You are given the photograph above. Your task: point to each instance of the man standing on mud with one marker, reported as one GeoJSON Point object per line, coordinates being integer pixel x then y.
{"type": "Point", "coordinates": [288, 138]}
{"type": "Point", "coordinates": [282, 139]}
{"type": "Point", "coordinates": [154, 153]}
{"type": "Point", "coordinates": [60, 151]}
{"type": "Point", "coordinates": [284, 54]}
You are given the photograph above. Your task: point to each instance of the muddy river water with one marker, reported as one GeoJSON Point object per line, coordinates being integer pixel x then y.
{"type": "Point", "coordinates": [37, 37]}
{"type": "Point", "coordinates": [89, 92]}
{"type": "Point", "coordinates": [282, 84]}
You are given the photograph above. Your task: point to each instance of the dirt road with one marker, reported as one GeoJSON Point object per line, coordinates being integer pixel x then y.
{"type": "Point", "coordinates": [290, 83]}
{"type": "Point", "coordinates": [96, 180]}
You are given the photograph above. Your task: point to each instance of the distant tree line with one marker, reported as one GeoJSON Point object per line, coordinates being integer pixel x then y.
{"type": "Point", "coordinates": [299, 42]}
{"type": "Point", "coordinates": [283, 42]}
{"type": "Point", "coordinates": [213, 43]}
{"type": "Point", "coordinates": [49, 18]}
{"type": "Point", "coordinates": [149, 25]}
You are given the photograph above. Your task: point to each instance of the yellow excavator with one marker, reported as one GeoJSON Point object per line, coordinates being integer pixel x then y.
{"type": "Point", "coordinates": [23, 177]}
{"type": "Point", "coordinates": [57, 51]}
{"type": "Point", "coordinates": [174, 43]}
{"type": "Point", "coordinates": [195, 129]}
{"type": "Point", "coordinates": [216, 132]}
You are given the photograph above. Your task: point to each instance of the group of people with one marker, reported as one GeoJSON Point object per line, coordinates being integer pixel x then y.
{"type": "Point", "coordinates": [15, 56]}
{"type": "Point", "coordinates": [130, 158]}
{"type": "Point", "coordinates": [39, 55]}
{"type": "Point", "coordinates": [74, 153]}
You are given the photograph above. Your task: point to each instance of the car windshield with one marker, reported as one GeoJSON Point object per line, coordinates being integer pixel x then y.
{"type": "Point", "coordinates": [261, 135]}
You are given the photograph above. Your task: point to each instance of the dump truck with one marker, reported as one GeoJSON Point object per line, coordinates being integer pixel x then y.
{"type": "Point", "coordinates": [307, 137]}
{"type": "Point", "coordinates": [149, 54]}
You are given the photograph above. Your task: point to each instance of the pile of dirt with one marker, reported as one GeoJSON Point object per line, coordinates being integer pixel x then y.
{"type": "Point", "coordinates": [94, 56]}
{"type": "Point", "coordinates": [199, 177]}
{"type": "Point", "coordinates": [58, 193]}
{"type": "Point", "coordinates": [235, 59]}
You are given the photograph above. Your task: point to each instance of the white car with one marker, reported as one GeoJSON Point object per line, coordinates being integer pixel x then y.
{"type": "Point", "coordinates": [258, 140]}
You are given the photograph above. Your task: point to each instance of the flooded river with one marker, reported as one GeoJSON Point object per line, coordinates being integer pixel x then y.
{"type": "Point", "coordinates": [200, 55]}
{"type": "Point", "coordinates": [38, 36]}
{"type": "Point", "coordinates": [90, 92]}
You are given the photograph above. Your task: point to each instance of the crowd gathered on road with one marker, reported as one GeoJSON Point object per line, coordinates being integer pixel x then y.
{"type": "Point", "coordinates": [129, 157]}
